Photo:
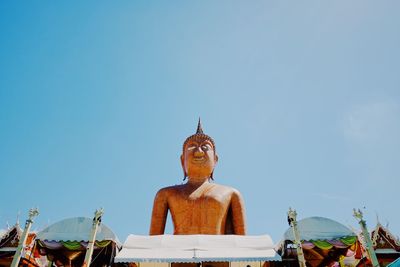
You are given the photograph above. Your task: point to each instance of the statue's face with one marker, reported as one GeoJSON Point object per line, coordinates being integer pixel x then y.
{"type": "Point", "coordinates": [199, 158]}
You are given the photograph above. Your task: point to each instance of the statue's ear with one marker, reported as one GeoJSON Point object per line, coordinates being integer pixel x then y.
{"type": "Point", "coordinates": [215, 163]}
{"type": "Point", "coordinates": [183, 167]}
{"type": "Point", "coordinates": [182, 162]}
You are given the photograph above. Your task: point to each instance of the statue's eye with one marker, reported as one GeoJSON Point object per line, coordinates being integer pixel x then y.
{"type": "Point", "coordinates": [206, 147]}
{"type": "Point", "coordinates": [191, 147]}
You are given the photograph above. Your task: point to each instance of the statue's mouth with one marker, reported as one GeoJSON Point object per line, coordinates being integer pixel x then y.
{"type": "Point", "coordinates": [199, 160]}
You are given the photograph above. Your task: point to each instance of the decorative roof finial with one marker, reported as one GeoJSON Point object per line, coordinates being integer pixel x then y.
{"type": "Point", "coordinates": [18, 214]}
{"type": "Point", "coordinates": [199, 128]}
{"type": "Point", "coordinates": [377, 219]}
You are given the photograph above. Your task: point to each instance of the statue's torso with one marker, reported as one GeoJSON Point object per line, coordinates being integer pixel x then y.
{"type": "Point", "coordinates": [202, 210]}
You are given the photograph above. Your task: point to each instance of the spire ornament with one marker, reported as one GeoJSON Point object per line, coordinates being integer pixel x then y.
{"type": "Point", "coordinates": [199, 128]}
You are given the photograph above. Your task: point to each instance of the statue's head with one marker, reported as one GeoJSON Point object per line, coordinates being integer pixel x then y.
{"type": "Point", "coordinates": [198, 156]}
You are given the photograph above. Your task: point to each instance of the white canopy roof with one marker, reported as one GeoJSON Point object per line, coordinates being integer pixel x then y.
{"type": "Point", "coordinates": [75, 229]}
{"type": "Point", "coordinates": [197, 248]}
{"type": "Point", "coordinates": [319, 228]}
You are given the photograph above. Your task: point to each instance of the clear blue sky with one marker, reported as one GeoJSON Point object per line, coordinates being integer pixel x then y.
{"type": "Point", "coordinates": [301, 97]}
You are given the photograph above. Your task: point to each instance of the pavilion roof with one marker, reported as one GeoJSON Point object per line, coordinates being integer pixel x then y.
{"type": "Point", "coordinates": [382, 239]}
{"type": "Point", "coordinates": [10, 237]}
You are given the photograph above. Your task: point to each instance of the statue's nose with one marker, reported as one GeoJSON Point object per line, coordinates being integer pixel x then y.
{"type": "Point", "coordinates": [198, 152]}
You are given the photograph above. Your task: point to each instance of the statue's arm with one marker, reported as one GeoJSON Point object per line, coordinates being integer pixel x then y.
{"type": "Point", "coordinates": [238, 214]}
{"type": "Point", "coordinates": [159, 214]}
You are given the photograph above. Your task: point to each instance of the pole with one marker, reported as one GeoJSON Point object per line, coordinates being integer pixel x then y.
{"type": "Point", "coordinates": [92, 238]}
{"type": "Point", "coordinates": [17, 256]}
{"type": "Point", "coordinates": [292, 214]}
{"type": "Point", "coordinates": [370, 249]}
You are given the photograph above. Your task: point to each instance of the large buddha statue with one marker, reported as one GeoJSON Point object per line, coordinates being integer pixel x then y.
{"type": "Point", "coordinates": [199, 206]}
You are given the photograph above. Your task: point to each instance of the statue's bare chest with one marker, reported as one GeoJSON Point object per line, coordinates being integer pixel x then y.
{"type": "Point", "coordinates": [202, 202]}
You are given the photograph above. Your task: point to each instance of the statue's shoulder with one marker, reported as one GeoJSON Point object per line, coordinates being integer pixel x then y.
{"type": "Point", "coordinates": [168, 190]}
{"type": "Point", "coordinates": [227, 189]}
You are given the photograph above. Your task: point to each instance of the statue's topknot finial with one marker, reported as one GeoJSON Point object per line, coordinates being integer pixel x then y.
{"type": "Point", "coordinates": [199, 129]}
